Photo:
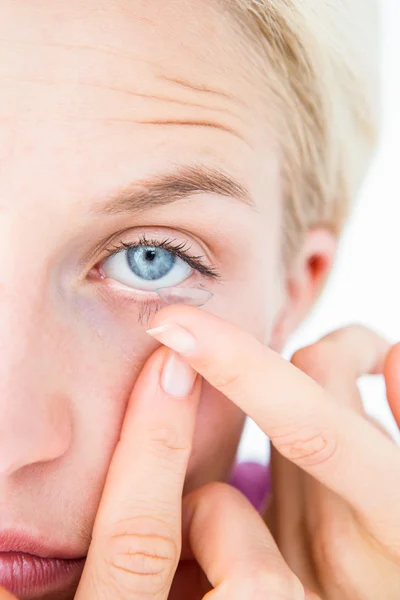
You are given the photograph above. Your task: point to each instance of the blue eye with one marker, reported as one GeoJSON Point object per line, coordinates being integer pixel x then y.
{"type": "Point", "coordinates": [146, 268]}
{"type": "Point", "coordinates": [150, 263]}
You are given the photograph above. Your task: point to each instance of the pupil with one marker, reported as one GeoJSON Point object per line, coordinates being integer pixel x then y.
{"type": "Point", "coordinates": [150, 255]}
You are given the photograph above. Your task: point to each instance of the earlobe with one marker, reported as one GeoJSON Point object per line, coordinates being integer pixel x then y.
{"type": "Point", "coordinates": [305, 280]}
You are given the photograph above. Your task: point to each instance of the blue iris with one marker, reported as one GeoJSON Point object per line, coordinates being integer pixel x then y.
{"type": "Point", "coordinates": [149, 262]}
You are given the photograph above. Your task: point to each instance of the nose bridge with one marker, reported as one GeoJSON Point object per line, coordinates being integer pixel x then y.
{"type": "Point", "coordinates": [34, 423]}
{"type": "Point", "coordinates": [21, 304]}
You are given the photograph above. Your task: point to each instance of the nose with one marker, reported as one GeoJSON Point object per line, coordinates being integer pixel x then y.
{"type": "Point", "coordinates": [35, 419]}
{"type": "Point", "coordinates": [37, 433]}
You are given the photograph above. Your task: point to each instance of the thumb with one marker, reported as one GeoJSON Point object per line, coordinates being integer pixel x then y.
{"type": "Point", "coordinates": [136, 539]}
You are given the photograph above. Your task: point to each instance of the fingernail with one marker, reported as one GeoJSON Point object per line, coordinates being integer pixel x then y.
{"type": "Point", "coordinates": [177, 378]}
{"type": "Point", "coordinates": [175, 337]}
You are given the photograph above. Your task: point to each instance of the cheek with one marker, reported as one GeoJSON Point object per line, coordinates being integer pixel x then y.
{"type": "Point", "coordinates": [104, 374]}
{"type": "Point", "coordinates": [104, 360]}
{"type": "Point", "coordinates": [117, 326]}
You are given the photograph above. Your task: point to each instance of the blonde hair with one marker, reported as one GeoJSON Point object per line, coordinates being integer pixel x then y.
{"type": "Point", "coordinates": [325, 57]}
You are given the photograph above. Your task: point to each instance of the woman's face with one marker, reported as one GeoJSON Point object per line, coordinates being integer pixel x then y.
{"type": "Point", "coordinates": [121, 123]}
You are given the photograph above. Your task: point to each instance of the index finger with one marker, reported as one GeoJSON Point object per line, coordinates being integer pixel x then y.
{"type": "Point", "coordinates": [137, 534]}
{"type": "Point", "coordinates": [335, 445]}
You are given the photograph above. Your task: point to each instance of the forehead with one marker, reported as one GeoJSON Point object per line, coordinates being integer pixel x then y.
{"type": "Point", "coordinates": [123, 47]}
{"type": "Point", "coordinates": [102, 81]}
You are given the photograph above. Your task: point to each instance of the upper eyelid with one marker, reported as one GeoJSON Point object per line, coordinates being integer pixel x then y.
{"type": "Point", "coordinates": [98, 252]}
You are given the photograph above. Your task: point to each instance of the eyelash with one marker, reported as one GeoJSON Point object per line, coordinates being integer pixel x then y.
{"type": "Point", "coordinates": [179, 249]}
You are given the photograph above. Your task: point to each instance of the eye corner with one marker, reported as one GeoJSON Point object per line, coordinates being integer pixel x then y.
{"type": "Point", "coordinates": [96, 273]}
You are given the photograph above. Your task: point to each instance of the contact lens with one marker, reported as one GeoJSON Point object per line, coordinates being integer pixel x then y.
{"type": "Point", "coordinates": [188, 296]}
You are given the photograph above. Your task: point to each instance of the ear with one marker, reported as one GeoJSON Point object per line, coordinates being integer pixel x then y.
{"type": "Point", "coordinates": [304, 282]}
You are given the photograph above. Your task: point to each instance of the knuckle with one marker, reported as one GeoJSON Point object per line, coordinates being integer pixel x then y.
{"type": "Point", "coordinates": [166, 441]}
{"type": "Point", "coordinates": [140, 558]}
{"type": "Point", "coordinates": [340, 351]}
{"type": "Point", "coordinates": [307, 448]}
{"type": "Point", "coordinates": [318, 360]}
{"type": "Point", "coordinates": [228, 380]}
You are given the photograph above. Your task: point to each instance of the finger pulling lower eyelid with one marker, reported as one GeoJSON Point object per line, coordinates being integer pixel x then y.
{"type": "Point", "coordinates": [181, 295]}
{"type": "Point", "coordinates": [175, 337]}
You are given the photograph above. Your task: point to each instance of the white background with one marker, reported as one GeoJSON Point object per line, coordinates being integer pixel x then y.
{"type": "Point", "coordinates": [364, 287]}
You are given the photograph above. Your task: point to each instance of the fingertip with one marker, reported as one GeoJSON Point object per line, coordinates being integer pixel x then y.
{"type": "Point", "coordinates": [392, 380]}
{"type": "Point", "coordinates": [177, 376]}
{"type": "Point", "coordinates": [392, 364]}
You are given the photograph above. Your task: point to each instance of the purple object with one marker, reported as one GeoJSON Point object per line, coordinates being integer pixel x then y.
{"type": "Point", "coordinates": [254, 481]}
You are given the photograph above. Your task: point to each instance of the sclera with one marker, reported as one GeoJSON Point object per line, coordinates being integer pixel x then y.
{"type": "Point", "coordinates": [181, 295]}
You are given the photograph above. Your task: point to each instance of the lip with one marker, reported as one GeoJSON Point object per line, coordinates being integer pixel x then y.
{"type": "Point", "coordinates": [32, 568]}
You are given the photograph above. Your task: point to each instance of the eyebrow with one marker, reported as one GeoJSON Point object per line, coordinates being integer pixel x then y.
{"type": "Point", "coordinates": [163, 189]}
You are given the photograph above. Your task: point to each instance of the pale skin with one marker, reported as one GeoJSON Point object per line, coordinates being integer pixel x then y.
{"type": "Point", "coordinates": [341, 467]}
{"type": "Point", "coordinates": [97, 99]}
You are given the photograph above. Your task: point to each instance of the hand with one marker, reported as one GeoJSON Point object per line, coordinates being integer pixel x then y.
{"type": "Point", "coordinates": [137, 535]}
{"type": "Point", "coordinates": [337, 521]}
{"type": "Point", "coordinates": [327, 544]}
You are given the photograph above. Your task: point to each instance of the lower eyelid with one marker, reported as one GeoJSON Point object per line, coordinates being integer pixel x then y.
{"type": "Point", "coordinates": [119, 299]}
{"type": "Point", "coordinates": [130, 292]}
{"type": "Point", "coordinates": [143, 304]}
